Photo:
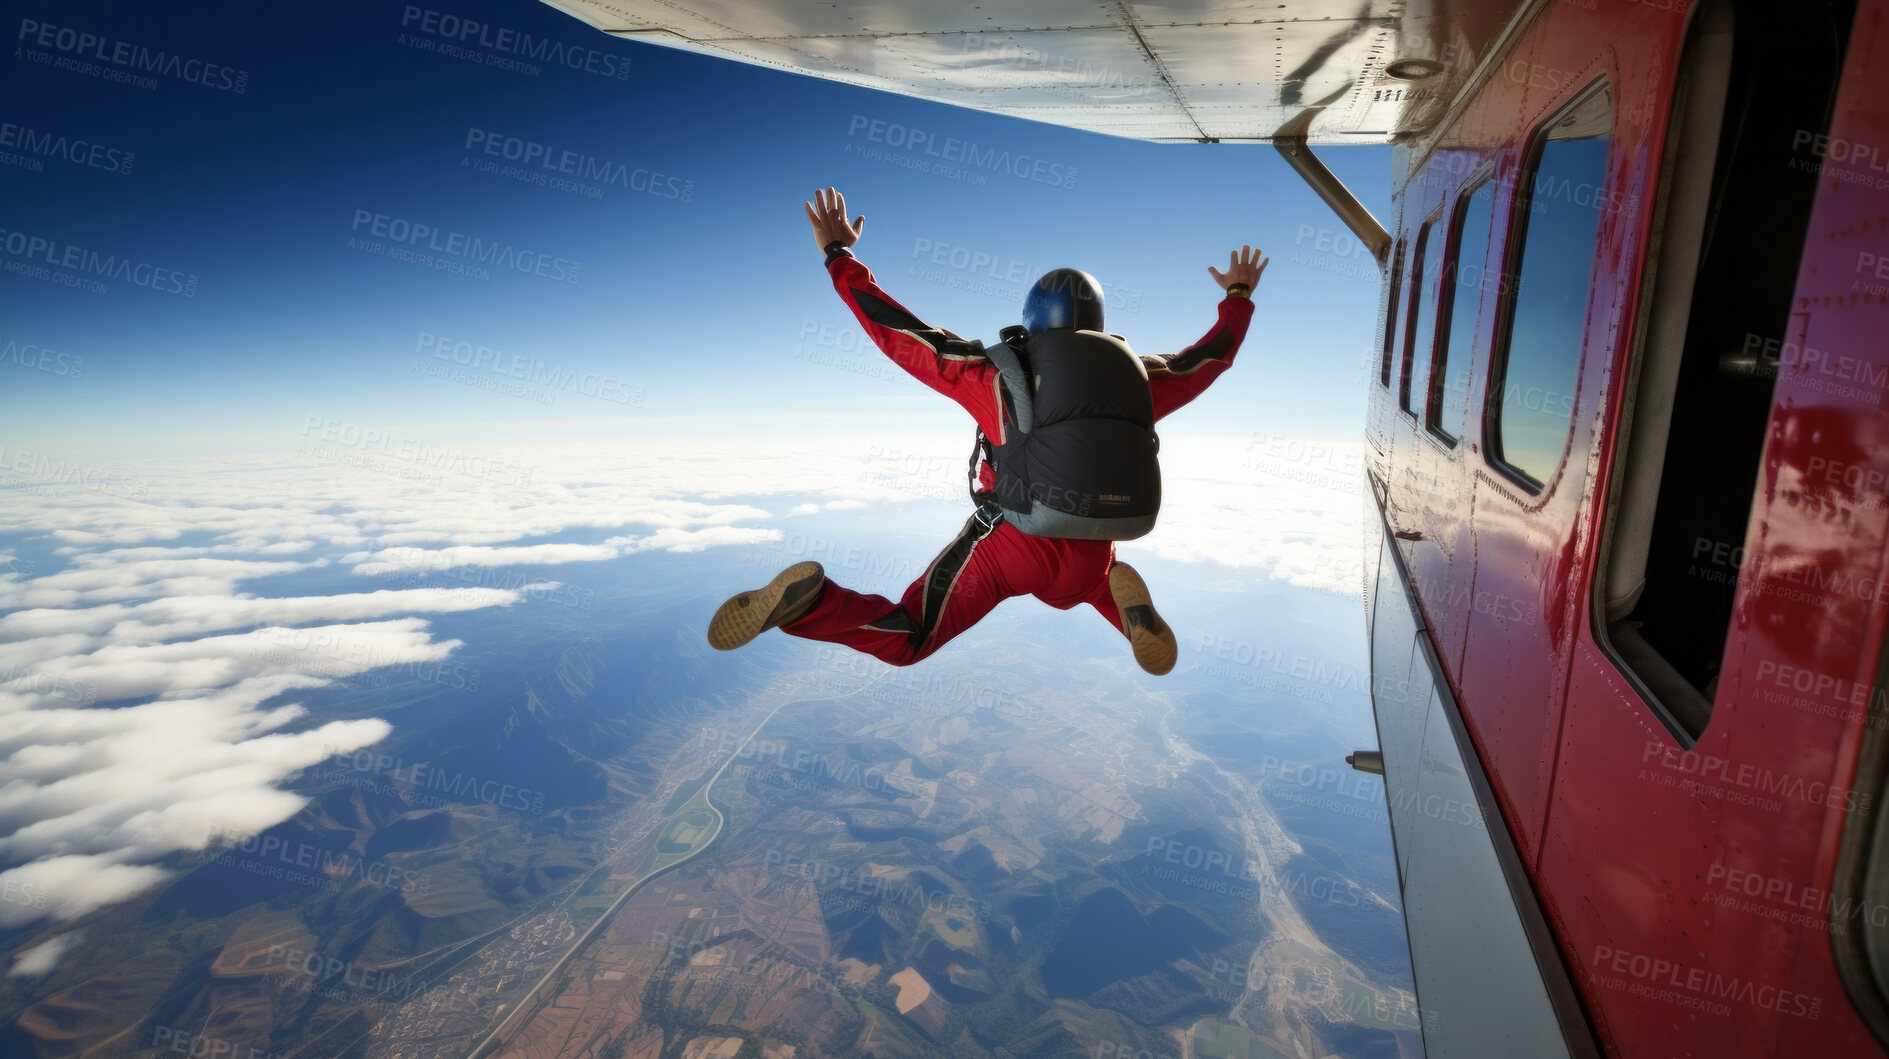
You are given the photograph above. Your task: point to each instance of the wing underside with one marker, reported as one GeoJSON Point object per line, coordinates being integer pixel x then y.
{"type": "Point", "coordinates": [1182, 71]}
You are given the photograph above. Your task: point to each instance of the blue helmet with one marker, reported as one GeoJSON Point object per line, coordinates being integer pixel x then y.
{"type": "Point", "coordinates": [1065, 297]}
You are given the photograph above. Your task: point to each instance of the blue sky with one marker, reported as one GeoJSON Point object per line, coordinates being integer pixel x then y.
{"type": "Point", "coordinates": [691, 298]}
{"type": "Point", "coordinates": [299, 420]}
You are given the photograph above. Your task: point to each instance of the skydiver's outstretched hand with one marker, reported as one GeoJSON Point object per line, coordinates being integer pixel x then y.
{"type": "Point", "coordinates": [1243, 268]}
{"type": "Point", "coordinates": [827, 211]}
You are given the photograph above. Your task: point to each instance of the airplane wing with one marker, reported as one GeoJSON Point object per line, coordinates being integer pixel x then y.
{"type": "Point", "coordinates": [1178, 71]}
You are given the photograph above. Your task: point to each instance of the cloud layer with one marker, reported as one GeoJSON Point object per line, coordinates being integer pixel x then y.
{"type": "Point", "coordinates": [150, 653]}
{"type": "Point", "coordinates": [148, 670]}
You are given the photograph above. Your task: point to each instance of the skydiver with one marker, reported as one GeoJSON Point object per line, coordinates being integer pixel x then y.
{"type": "Point", "coordinates": [1064, 464]}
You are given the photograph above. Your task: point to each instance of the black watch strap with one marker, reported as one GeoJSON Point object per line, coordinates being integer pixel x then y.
{"type": "Point", "coordinates": [836, 249]}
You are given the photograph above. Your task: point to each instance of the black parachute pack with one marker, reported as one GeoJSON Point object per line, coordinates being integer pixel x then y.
{"type": "Point", "coordinates": [1079, 455]}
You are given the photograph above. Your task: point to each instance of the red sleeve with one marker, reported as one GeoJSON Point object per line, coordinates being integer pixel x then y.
{"type": "Point", "coordinates": [1178, 378]}
{"type": "Point", "coordinates": [941, 360]}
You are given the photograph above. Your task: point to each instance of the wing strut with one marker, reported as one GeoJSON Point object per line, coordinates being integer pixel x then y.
{"type": "Point", "coordinates": [1290, 140]}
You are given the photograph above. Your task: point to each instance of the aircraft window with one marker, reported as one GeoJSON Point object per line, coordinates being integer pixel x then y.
{"type": "Point", "coordinates": [1467, 278]}
{"type": "Point", "coordinates": [1408, 323]}
{"type": "Point", "coordinates": [1562, 196]}
{"type": "Point", "coordinates": [1427, 270]}
{"type": "Point", "coordinates": [1390, 313]}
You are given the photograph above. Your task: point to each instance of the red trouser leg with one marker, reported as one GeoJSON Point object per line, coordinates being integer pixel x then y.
{"type": "Point", "coordinates": [973, 574]}
{"type": "Point", "coordinates": [1103, 601]}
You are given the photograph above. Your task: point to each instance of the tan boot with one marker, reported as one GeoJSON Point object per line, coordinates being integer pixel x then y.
{"type": "Point", "coordinates": [791, 594]}
{"type": "Point", "coordinates": [1153, 642]}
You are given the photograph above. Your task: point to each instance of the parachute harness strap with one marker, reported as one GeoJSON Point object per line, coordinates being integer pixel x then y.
{"type": "Point", "coordinates": [988, 514]}
{"type": "Point", "coordinates": [980, 447]}
{"type": "Point", "coordinates": [1009, 357]}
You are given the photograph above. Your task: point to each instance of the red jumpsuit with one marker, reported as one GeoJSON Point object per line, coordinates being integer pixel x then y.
{"type": "Point", "coordinates": [982, 566]}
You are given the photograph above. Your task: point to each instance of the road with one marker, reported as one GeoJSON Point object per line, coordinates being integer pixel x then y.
{"type": "Point", "coordinates": [523, 1009]}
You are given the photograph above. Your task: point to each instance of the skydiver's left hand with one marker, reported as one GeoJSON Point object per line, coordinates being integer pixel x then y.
{"type": "Point", "coordinates": [827, 211]}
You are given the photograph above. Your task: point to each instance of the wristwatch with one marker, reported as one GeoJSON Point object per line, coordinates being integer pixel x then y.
{"type": "Point", "coordinates": [836, 249]}
{"type": "Point", "coordinates": [1239, 290]}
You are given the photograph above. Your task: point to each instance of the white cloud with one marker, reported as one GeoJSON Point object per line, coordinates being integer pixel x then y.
{"type": "Point", "coordinates": [125, 555]}
{"type": "Point", "coordinates": [170, 775]}
{"type": "Point", "coordinates": [167, 619]}
{"type": "Point", "coordinates": [678, 540]}
{"type": "Point", "coordinates": [92, 799]}
{"type": "Point", "coordinates": [42, 958]}
{"type": "Point", "coordinates": [88, 581]}
{"type": "Point", "coordinates": [121, 671]}
{"type": "Point", "coordinates": [831, 505]}
{"type": "Point", "coordinates": [396, 560]}
{"type": "Point", "coordinates": [1291, 513]}
{"type": "Point", "coordinates": [669, 539]}
{"type": "Point", "coordinates": [88, 797]}
{"type": "Point", "coordinates": [72, 886]}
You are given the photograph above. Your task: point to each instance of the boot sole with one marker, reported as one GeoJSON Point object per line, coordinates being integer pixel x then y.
{"type": "Point", "coordinates": [1149, 636]}
{"type": "Point", "coordinates": [749, 614]}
